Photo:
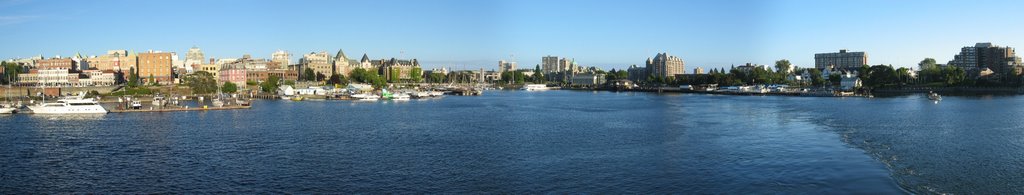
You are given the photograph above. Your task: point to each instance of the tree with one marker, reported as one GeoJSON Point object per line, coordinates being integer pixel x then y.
{"type": "Point", "coordinates": [229, 87]}
{"type": "Point", "coordinates": [927, 63]}
{"type": "Point", "coordinates": [954, 75]}
{"type": "Point", "coordinates": [133, 77]}
{"type": "Point", "coordinates": [538, 76]}
{"type": "Point", "coordinates": [271, 85]}
{"type": "Point", "coordinates": [201, 82]}
{"type": "Point", "coordinates": [11, 71]}
{"type": "Point", "coordinates": [436, 77]}
{"type": "Point", "coordinates": [816, 78]}
{"type": "Point", "coordinates": [835, 79]}
{"type": "Point", "coordinates": [320, 76]}
{"type": "Point", "coordinates": [416, 74]}
{"type": "Point", "coordinates": [782, 66]}
{"type": "Point", "coordinates": [395, 75]}
{"type": "Point", "coordinates": [309, 74]}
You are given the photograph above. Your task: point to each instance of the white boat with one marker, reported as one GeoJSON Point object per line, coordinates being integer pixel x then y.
{"type": "Point", "coordinates": [535, 87]}
{"type": "Point", "coordinates": [69, 105]}
{"type": "Point", "coordinates": [400, 97]}
{"type": "Point", "coordinates": [934, 96]}
{"type": "Point", "coordinates": [436, 93]}
{"type": "Point", "coordinates": [159, 101]}
{"type": "Point", "coordinates": [366, 97]}
{"type": "Point", "coordinates": [421, 94]}
{"type": "Point", "coordinates": [136, 104]}
{"type": "Point", "coordinates": [216, 102]}
{"type": "Point", "coordinates": [7, 109]}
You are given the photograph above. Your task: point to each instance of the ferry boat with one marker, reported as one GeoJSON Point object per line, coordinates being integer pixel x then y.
{"type": "Point", "coordinates": [69, 105]}
{"type": "Point", "coordinates": [535, 87]}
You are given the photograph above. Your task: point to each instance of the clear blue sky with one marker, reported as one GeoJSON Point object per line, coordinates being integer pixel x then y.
{"type": "Point", "coordinates": [474, 33]}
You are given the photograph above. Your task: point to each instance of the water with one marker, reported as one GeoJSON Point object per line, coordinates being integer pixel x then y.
{"type": "Point", "coordinates": [530, 142]}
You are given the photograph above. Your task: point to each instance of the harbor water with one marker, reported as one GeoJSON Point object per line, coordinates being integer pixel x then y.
{"type": "Point", "coordinates": [528, 143]}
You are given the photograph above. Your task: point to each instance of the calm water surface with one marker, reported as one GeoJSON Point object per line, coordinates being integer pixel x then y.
{"type": "Point", "coordinates": [524, 142]}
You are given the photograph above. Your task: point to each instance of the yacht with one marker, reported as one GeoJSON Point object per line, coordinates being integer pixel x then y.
{"type": "Point", "coordinates": [159, 101]}
{"type": "Point", "coordinates": [69, 105]}
{"type": "Point", "coordinates": [535, 87]}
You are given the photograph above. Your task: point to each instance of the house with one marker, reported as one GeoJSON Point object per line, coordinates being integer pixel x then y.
{"type": "Point", "coordinates": [849, 82]}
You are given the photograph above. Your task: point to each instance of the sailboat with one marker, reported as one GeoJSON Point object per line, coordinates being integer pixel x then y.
{"type": "Point", "coordinates": [8, 108]}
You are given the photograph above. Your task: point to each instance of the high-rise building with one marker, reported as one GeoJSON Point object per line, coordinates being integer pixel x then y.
{"type": "Point", "coordinates": [506, 66]}
{"type": "Point", "coordinates": [549, 64]}
{"type": "Point", "coordinates": [1001, 60]}
{"type": "Point", "coordinates": [842, 60]}
{"type": "Point", "coordinates": [282, 58]}
{"type": "Point", "coordinates": [698, 70]}
{"type": "Point", "coordinates": [155, 67]}
{"type": "Point", "coordinates": [318, 61]}
{"type": "Point", "coordinates": [194, 56]}
{"type": "Point", "coordinates": [664, 65]}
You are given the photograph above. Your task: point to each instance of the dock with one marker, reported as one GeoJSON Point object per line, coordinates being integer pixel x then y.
{"type": "Point", "coordinates": [181, 109]}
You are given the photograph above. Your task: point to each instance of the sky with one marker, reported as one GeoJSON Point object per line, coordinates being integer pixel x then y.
{"type": "Point", "coordinates": [473, 34]}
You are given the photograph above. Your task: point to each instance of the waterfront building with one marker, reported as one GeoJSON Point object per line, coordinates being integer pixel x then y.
{"type": "Point", "coordinates": [698, 70]}
{"type": "Point", "coordinates": [263, 75]}
{"type": "Point", "coordinates": [849, 82]}
{"type": "Point", "coordinates": [343, 65]}
{"type": "Point", "coordinates": [1001, 60]}
{"type": "Point", "coordinates": [78, 62]}
{"type": "Point", "coordinates": [319, 62]}
{"type": "Point", "coordinates": [281, 57]}
{"type": "Point", "coordinates": [549, 64]}
{"type": "Point", "coordinates": [403, 67]}
{"type": "Point", "coordinates": [97, 78]}
{"type": "Point", "coordinates": [636, 73]}
{"type": "Point", "coordinates": [564, 65]}
{"type": "Point", "coordinates": [113, 60]}
{"type": "Point", "coordinates": [55, 64]}
{"type": "Point", "coordinates": [506, 66]}
{"type": "Point", "coordinates": [48, 77]}
{"type": "Point", "coordinates": [233, 73]}
{"type": "Point", "coordinates": [588, 79]}
{"type": "Point", "coordinates": [664, 65]}
{"type": "Point", "coordinates": [155, 66]}
{"type": "Point", "coordinates": [842, 60]}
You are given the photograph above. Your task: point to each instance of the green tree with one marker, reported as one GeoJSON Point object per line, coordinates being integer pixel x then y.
{"type": "Point", "coordinates": [436, 77]}
{"type": "Point", "coordinates": [201, 82]}
{"type": "Point", "coordinates": [816, 77]}
{"type": "Point", "coordinates": [271, 85]}
{"type": "Point", "coordinates": [133, 77]}
{"type": "Point", "coordinates": [927, 63]}
{"type": "Point", "coordinates": [395, 75]}
{"type": "Point", "coordinates": [309, 74]}
{"type": "Point", "coordinates": [782, 66]}
{"type": "Point", "coordinates": [229, 87]}
{"type": "Point", "coordinates": [320, 77]}
{"type": "Point", "coordinates": [416, 74]}
{"type": "Point", "coordinates": [538, 76]}
{"type": "Point", "coordinates": [954, 75]}
{"type": "Point", "coordinates": [835, 79]}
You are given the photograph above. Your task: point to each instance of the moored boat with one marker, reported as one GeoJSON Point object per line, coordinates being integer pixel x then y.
{"type": "Point", "coordinates": [69, 105]}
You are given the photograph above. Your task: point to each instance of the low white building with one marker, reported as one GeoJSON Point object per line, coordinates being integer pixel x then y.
{"type": "Point", "coordinates": [849, 82]}
{"type": "Point", "coordinates": [286, 90]}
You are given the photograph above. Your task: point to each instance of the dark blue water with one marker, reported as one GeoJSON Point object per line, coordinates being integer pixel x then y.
{"type": "Point", "coordinates": [523, 142]}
